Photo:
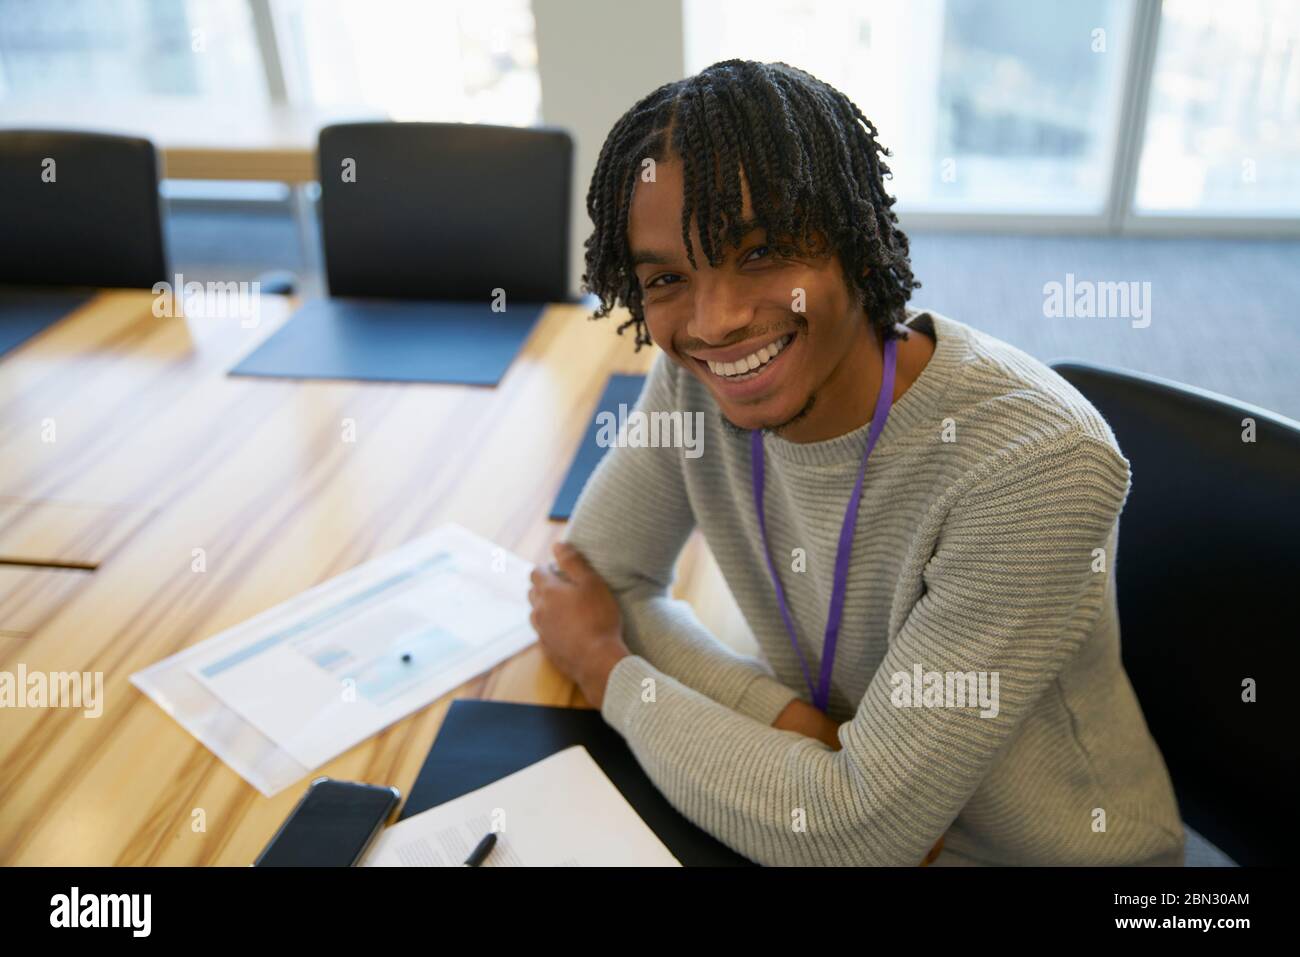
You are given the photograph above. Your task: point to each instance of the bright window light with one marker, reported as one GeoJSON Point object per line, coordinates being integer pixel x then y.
{"type": "Point", "coordinates": [1223, 126]}
{"type": "Point", "coordinates": [987, 105]}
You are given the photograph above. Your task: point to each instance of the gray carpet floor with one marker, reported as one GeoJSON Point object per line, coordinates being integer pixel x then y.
{"type": "Point", "coordinates": [1224, 314]}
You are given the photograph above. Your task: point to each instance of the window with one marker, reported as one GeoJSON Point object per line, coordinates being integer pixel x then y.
{"type": "Point", "coordinates": [454, 60]}
{"type": "Point", "coordinates": [987, 105]}
{"type": "Point", "coordinates": [472, 61]}
{"type": "Point", "coordinates": [1100, 114]}
{"type": "Point", "coordinates": [1223, 125]}
{"type": "Point", "coordinates": [130, 50]}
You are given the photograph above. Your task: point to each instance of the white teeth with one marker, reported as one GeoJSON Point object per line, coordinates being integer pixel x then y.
{"type": "Point", "coordinates": [743, 367]}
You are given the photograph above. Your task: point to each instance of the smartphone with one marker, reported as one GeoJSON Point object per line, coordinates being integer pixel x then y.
{"type": "Point", "coordinates": [332, 826]}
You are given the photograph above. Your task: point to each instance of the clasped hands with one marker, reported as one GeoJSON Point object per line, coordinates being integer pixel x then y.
{"type": "Point", "coordinates": [580, 628]}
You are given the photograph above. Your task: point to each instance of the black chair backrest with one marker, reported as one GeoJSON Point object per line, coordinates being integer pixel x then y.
{"type": "Point", "coordinates": [1208, 548]}
{"type": "Point", "coordinates": [445, 210]}
{"type": "Point", "coordinates": [79, 209]}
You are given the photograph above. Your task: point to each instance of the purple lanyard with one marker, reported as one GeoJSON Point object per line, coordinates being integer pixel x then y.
{"type": "Point", "coordinates": [821, 694]}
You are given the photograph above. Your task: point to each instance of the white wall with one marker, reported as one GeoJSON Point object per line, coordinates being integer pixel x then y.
{"type": "Point", "coordinates": [596, 58]}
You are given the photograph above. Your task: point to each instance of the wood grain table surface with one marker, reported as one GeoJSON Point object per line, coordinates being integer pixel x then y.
{"type": "Point", "coordinates": [125, 446]}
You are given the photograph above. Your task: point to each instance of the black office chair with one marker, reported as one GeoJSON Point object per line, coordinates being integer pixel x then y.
{"type": "Point", "coordinates": [1208, 548]}
{"type": "Point", "coordinates": [445, 211]}
{"type": "Point", "coordinates": [79, 209]}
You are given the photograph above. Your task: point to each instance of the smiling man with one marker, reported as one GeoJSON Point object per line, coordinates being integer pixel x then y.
{"type": "Point", "coordinates": [918, 521]}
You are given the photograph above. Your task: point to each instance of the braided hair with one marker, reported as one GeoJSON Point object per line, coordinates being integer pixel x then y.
{"type": "Point", "coordinates": [813, 166]}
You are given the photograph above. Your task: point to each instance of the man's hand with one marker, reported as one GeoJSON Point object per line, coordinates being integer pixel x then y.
{"type": "Point", "coordinates": [578, 620]}
{"type": "Point", "coordinates": [803, 718]}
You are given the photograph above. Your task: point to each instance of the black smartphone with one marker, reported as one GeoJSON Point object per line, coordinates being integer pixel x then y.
{"type": "Point", "coordinates": [333, 825]}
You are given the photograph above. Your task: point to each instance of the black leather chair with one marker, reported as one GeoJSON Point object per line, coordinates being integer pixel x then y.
{"type": "Point", "coordinates": [97, 224]}
{"type": "Point", "coordinates": [1208, 554]}
{"type": "Point", "coordinates": [446, 211]}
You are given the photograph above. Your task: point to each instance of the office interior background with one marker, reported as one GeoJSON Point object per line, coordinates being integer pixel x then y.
{"type": "Point", "coordinates": [1036, 145]}
{"type": "Point", "coordinates": [1108, 140]}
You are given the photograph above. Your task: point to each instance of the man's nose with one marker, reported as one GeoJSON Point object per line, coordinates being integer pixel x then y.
{"type": "Point", "coordinates": [719, 311]}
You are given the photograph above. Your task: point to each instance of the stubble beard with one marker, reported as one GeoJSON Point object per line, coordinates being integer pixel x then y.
{"type": "Point", "coordinates": [776, 428]}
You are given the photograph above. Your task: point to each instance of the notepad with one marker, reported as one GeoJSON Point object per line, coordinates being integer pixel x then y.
{"type": "Point", "coordinates": [300, 683]}
{"type": "Point", "coordinates": [480, 742]}
{"type": "Point", "coordinates": [560, 812]}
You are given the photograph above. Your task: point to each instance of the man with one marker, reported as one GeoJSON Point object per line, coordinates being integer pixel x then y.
{"type": "Point", "coordinates": [918, 521]}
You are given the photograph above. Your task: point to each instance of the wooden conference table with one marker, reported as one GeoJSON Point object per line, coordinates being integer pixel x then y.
{"type": "Point", "coordinates": [124, 446]}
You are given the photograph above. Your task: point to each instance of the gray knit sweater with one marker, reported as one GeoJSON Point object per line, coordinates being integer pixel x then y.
{"type": "Point", "coordinates": [985, 546]}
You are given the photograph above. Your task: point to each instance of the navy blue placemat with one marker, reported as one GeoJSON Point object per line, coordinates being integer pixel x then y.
{"type": "Point", "coordinates": [25, 312]}
{"type": "Point", "coordinates": [391, 340]}
{"type": "Point", "coordinates": [483, 741]}
{"type": "Point", "coordinates": [620, 390]}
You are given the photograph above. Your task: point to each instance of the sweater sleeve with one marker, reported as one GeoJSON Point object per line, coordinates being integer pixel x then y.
{"type": "Point", "coordinates": [1013, 589]}
{"type": "Point", "coordinates": [630, 523]}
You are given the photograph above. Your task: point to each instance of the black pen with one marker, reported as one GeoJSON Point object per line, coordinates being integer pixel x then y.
{"type": "Point", "coordinates": [480, 853]}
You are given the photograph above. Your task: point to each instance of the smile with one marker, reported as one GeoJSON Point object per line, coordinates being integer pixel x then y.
{"type": "Point", "coordinates": [751, 365]}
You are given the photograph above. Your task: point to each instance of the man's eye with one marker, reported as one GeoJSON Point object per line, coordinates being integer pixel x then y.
{"type": "Point", "coordinates": [656, 280]}
{"type": "Point", "coordinates": [758, 249]}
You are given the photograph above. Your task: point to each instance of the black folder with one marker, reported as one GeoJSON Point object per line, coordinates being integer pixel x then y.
{"type": "Point", "coordinates": [392, 340]}
{"type": "Point", "coordinates": [620, 390]}
{"type": "Point", "coordinates": [483, 741]}
{"type": "Point", "coordinates": [26, 311]}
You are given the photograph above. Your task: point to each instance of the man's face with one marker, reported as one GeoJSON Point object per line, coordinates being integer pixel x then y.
{"type": "Point", "coordinates": [737, 327]}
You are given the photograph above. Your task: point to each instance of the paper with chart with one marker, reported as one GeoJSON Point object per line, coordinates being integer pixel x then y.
{"type": "Point", "coordinates": [560, 812]}
{"type": "Point", "coordinates": [346, 659]}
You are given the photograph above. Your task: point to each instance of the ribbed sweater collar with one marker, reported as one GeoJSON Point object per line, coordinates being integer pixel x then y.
{"type": "Point", "coordinates": [918, 407]}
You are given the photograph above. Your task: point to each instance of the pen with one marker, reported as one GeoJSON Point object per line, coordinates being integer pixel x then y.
{"type": "Point", "coordinates": [480, 853]}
